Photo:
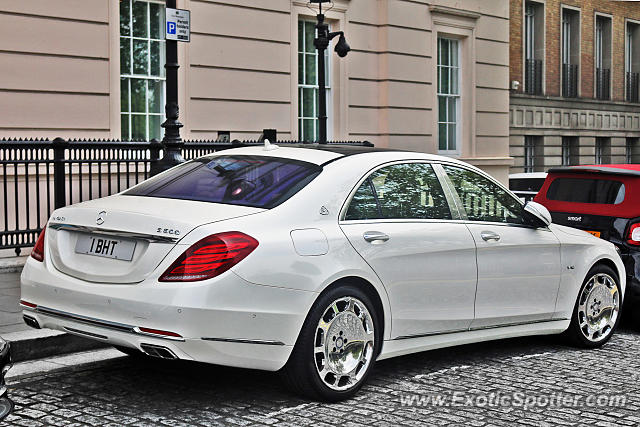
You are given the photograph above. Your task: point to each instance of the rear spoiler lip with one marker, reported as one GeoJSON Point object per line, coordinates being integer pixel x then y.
{"type": "Point", "coordinates": [595, 169]}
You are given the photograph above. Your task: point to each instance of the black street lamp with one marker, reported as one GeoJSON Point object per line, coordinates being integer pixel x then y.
{"type": "Point", "coordinates": [322, 43]}
{"type": "Point", "coordinates": [172, 142]}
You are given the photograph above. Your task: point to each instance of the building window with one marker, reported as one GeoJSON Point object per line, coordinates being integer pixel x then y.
{"type": "Point", "coordinates": [603, 151]}
{"type": "Point", "coordinates": [533, 47]}
{"type": "Point", "coordinates": [570, 52]}
{"type": "Point", "coordinates": [448, 94]}
{"type": "Point", "coordinates": [603, 57]}
{"type": "Point", "coordinates": [570, 152]}
{"type": "Point", "coordinates": [533, 153]}
{"type": "Point", "coordinates": [632, 62]}
{"type": "Point", "coordinates": [632, 150]}
{"type": "Point", "coordinates": [308, 88]}
{"type": "Point", "coordinates": [142, 74]}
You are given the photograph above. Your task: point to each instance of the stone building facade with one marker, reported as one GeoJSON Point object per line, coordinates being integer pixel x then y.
{"type": "Point", "coordinates": [574, 72]}
{"type": "Point", "coordinates": [430, 76]}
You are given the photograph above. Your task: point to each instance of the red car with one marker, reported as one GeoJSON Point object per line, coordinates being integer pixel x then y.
{"type": "Point", "coordinates": [603, 200]}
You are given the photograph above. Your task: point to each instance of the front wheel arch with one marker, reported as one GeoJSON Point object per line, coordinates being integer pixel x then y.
{"type": "Point", "coordinates": [608, 262]}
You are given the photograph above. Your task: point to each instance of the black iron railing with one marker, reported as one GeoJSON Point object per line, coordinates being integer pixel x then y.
{"type": "Point", "coordinates": [603, 82]}
{"type": "Point", "coordinates": [38, 176]}
{"type": "Point", "coordinates": [632, 81]}
{"type": "Point", "coordinates": [533, 76]}
{"type": "Point", "coordinates": [570, 80]}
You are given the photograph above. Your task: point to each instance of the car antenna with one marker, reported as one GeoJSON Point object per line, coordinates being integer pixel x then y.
{"type": "Point", "coordinates": [269, 146]}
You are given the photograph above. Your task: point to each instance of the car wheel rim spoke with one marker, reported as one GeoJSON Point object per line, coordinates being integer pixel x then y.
{"type": "Point", "coordinates": [344, 343]}
{"type": "Point", "coordinates": [598, 307]}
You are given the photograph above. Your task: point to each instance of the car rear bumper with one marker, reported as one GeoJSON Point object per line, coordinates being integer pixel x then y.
{"type": "Point", "coordinates": [226, 321]}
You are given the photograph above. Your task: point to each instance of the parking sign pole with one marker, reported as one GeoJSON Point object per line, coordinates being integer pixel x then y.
{"type": "Point", "coordinates": [172, 142]}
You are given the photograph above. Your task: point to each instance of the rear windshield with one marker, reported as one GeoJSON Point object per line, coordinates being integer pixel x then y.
{"type": "Point", "coordinates": [584, 190]}
{"type": "Point", "coordinates": [525, 184]}
{"type": "Point", "coordinates": [255, 181]}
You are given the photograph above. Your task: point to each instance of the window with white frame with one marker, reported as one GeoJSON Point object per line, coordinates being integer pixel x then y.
{"type": "Point", "coordinates": [142, 74]}
{"type": "Point", "coordinates": [308, 88]}
{"type": "Point", "coordinates": [448, 94]}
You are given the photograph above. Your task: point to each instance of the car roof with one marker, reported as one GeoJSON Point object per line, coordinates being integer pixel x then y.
{"type": "Point", "coordinates": [321, 154]}
{"type": "Point", "coordinates": [621, 169]}
{"type": "Point", "coordinates": [524, 175]}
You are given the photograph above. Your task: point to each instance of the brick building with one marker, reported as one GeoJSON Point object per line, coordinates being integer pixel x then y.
{"type": "Point", "coordinates": [574, 72]}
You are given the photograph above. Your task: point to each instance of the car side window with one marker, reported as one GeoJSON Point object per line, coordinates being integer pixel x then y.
{"type": "Point", "coordinates": [402, 191]}
{"type": "Point", "coordinates": [484, 200]}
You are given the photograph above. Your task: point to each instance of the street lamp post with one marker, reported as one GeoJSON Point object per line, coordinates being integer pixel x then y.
{"type": "Point", "coordinates": [172, 142]}
{"type": "Point", "coordinates": [321, 43]}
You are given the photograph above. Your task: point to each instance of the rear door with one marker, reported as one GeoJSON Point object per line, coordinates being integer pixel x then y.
{"type": "Point", "coordinates": [518, 264]}
{"type": "Point", "coordinates": [400, 222]}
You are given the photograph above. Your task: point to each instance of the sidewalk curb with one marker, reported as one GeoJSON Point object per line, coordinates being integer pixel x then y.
{"type": "Point", "coordinates": [13, 264]}
{"type": "Point", "coordinates": [44, 343]}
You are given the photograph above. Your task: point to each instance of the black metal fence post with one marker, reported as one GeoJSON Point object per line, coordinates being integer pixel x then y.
{"type": "Point", "coordinates": [154, 157]}
{"type": "Point", "coordinates": [59, 191]}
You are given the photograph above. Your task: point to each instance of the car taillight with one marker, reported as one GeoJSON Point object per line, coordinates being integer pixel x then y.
{"type": "Point", "coordinates": [210, 257]}
{"type": "Point", "coordinates": [37, 252]}
{"type": "Point", "coordinates": [633, 238]}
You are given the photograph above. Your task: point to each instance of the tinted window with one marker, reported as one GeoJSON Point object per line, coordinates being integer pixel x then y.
{"type": "Point", "coordinates": [482, 199]}
{"type": "Point", "coordinates": [401, 191]}
{"type": "Point", "coordinates": [256, 181]}
{"type": "Point", "coordinates": [364, 204]}
{"type": "Point", "coordinates": [584, 190]}
{"type": "Point", "coordinates": [526, 184]}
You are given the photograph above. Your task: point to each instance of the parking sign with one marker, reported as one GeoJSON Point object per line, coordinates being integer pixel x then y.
{"type": "Point", "coordinates": [178, 25]}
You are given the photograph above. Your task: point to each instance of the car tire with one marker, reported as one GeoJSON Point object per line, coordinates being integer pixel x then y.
{"type": "Point", "coordinates": [596, 313]}
{"type": "Point", "coordinates": [337, 346]}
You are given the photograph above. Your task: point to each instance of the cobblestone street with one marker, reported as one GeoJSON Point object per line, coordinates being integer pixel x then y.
{"type": "Point", "coordinates": [130, 391]}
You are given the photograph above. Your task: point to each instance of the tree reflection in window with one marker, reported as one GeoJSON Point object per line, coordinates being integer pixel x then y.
{"type": "Point", "coordinates": [482, 199]}
{"type": "Point", "coordinates": [403, 191]}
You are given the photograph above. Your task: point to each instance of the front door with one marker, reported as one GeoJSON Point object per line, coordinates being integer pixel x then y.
{"type": "Point", "coordinates": [518, 263]}
{"type": "Point", "coordinates": [400, 222]}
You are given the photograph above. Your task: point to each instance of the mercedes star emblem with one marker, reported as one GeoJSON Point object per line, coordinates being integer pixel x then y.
{"type": "Point", "coordinates": [101, 216]}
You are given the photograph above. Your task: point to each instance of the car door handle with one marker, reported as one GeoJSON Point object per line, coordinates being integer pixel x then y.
{"type": "Point", "coordinates": [489, 235]}
{"type": "Point", "coordinates": [375, 236]}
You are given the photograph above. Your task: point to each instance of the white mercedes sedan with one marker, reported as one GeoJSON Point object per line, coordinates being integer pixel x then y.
{"type": "Point", "coordinates": [317, 261]}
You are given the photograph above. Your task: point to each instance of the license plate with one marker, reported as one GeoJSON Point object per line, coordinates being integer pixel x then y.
{"type": "Point", "coordinates": [105, 246]}
{"type": "Point", "coordinates": [595, 233]}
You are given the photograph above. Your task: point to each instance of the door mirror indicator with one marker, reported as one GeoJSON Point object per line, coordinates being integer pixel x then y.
{"type": "Point", "coordinates": [538, 211]}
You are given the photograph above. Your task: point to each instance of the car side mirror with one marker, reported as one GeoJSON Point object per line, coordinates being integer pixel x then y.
{"type": "Point", "coordinates": [539, 212]}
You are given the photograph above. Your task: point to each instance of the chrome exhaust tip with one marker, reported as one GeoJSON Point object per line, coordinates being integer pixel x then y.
{"type": "Point", "coordinates": [30, 321]}
{"type": "Point", "coordinates": [158, 351]}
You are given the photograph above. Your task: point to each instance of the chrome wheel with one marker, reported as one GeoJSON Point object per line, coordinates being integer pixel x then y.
{"type": "Point", "coordinates": [598, 307]}
{"type": "Point", "coordinates": [344, 343]}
